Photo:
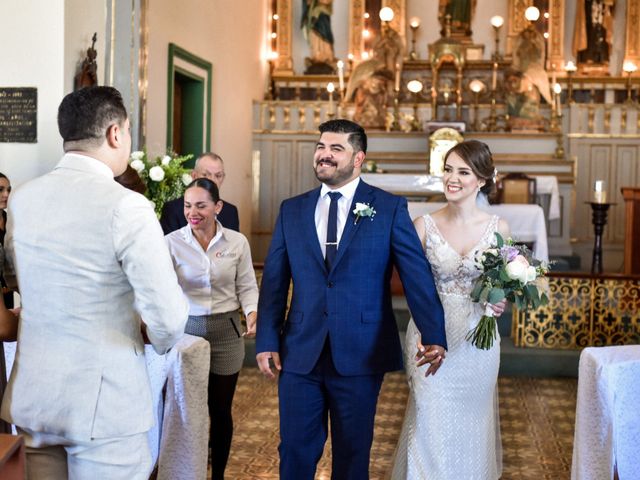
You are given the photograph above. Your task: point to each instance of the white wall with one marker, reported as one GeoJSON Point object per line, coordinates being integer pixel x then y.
{"type": "Point", "coordinates": [230, 35]}
{"type": "Point", "coordinates": [32, 53]}
{"type": "Point", "coordinates": [41, 43]}
{"type": "Point", "coordinates": [81, 19]}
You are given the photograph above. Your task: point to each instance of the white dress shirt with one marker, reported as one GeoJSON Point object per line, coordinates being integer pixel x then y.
{"type": "Point", "coordinates": [216, 281]}
{"type": "Point", "coordinates": [322, 210]}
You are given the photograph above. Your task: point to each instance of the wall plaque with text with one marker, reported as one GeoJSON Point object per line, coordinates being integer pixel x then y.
{"type": "Point", "coordinates": [18, 115]}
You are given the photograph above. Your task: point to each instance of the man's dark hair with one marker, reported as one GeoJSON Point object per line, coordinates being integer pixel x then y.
{"type": "Point", "coordinates": [85, 114]}
{"type": "Point", "coordinates": [357, 136]}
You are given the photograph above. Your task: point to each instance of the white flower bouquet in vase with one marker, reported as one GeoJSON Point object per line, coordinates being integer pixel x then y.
{"type": "Point", "coordinates": [165, 177]}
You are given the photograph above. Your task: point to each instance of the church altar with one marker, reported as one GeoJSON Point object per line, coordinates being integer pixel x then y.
{"type": "Point", "coordinates": [428, 185]}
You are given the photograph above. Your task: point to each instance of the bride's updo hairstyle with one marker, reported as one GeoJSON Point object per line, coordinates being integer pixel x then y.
{"type": "Point", "coordinates": [477, 155]}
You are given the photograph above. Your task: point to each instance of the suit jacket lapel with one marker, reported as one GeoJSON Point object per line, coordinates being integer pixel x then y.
{"type": "Point", "coordinates": [309, 224]}
{"type": "Point", "coordinates": [364, 194]}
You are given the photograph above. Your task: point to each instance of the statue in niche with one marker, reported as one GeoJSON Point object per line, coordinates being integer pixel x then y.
{"type": "Point", "coordinates": [88, 74]}
{"type": "Point", "coordinates": [461, 13]}
{"type": "Point", "coordinates": [593, 31]}
{"type": "Point", "coordinates": [372, 80]}
{"type": "Point", "coordinates": [316, 27]}
{"type": "Point", "coordinates": [527, 82]}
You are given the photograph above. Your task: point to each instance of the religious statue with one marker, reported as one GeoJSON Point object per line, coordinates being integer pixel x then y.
{"type": "Point", "coordinates": [88, 74]}
{"type": "Point", "coordinates": [527, 82]}
{"type": "Point", "coordinates": [316, 27]}
{"type": "Point", "coordinates": [461, 14]}
{"type": "Point", "coordinates": [593, 32]}
{"type": "Point", "coordinates": [372, 80]}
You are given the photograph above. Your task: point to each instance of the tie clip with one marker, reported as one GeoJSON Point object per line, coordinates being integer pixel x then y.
{"type": "Point", "coordinates": [330, 243]}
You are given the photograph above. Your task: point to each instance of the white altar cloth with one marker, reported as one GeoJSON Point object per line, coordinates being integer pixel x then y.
{"type": "Point", "coordinates": [179, 440]}
{"type": "Point", "coordinates": [406, 183]}
{"type": "Point", "coordinates": [525, 220]}
{"type": "Point", "coordinates": [607, 433]}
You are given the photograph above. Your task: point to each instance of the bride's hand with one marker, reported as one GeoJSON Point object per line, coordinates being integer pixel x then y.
{"type": "Point", "coordinates": [498, 308]}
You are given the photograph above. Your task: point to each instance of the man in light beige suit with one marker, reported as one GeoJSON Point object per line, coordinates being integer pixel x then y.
{"type": "Point", "coordinates": [88, 254]}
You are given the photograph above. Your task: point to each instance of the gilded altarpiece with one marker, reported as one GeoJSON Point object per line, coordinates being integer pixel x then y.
{"type": "Point", "coordinates": [632, 44]}
{"type": "Point", "coordinates": [357, 9]}
{"type": "Point", "coordinates": [517, 22]}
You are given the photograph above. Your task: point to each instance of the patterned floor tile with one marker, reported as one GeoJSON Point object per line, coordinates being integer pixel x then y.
{"type": "Point", "coordinates": [537, 421]}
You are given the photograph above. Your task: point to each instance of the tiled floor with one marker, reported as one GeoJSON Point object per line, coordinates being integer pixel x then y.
{"type": "Point", "coordinates": [537, 419]}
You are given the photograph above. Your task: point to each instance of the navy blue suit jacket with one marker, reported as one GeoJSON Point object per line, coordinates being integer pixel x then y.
{"type": "Point", "coordinates": [172, 217]}
{"type": "Point", "coordinates": [352, 302]}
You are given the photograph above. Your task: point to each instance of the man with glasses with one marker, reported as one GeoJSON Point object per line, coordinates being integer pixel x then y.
{"type": "Point", "coordinates": [208, 165]}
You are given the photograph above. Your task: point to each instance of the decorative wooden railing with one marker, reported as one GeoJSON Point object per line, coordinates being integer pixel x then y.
{"type": "Point", "coordinates": [584, 310]}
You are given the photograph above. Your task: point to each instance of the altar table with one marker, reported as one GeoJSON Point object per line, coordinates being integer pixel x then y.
{"type": "Point", "coordinates": [408, 184]}
{"type": "Point", "coordinates": [526, 222]}
{"type": "Point", "coordinates": [607, 434]}
{"type": "Point", "coordinates": [180, 437]}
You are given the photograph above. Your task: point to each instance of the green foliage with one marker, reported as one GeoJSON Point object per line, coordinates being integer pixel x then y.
{"type": "Point", "coordinates": [165, 177]}
{"type": "Point", "coordinates": [509, 272]}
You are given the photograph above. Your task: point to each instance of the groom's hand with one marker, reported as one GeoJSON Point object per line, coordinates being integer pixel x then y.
{"type": "Point", "coordinates": [263, 363]}
{"type": "Point", "coordinates": [432, 354]}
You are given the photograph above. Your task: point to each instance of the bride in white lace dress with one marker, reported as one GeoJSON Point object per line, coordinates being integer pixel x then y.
{"type": "Point", "coordinates": [451, 429]}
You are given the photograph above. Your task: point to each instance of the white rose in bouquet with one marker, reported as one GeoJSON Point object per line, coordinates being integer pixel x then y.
{"type": "Point", "coordinates": [156, 173]}
{"type": "Point", "coordinates": [186, 179]}
{"type": "Point", "coordinates": [137, 165]}
{"type": "Point", "coordinates": [517, 271]}
{"type": "Point", "coordinates": [137, 155]}
{"type": "Point", "coordinates": [166, 160]}
{"type": "Point", "coordinates": [531, 273]}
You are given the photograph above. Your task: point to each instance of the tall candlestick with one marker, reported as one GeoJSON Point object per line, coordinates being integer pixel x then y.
{"type": "Point", "coordinates": [341, 74]}
{"type": "Point", "coordinates": [494, 76]}
{"type": "Point", "coordinates": [397, 85]}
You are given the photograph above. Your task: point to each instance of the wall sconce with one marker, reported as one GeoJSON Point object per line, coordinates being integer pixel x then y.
{"type": "Point", "coordinates": [414, 24]}
{"type": "Point", "coordinates": [629, 68]}
{"type": "Point", "coordinates": [415, 87]}
{"type": "Point", "coordinates": [570, 68]}
{"type": "Point", "coordinates": [476, 86]}
{"type": "Point", "coordinates": [496, 22]}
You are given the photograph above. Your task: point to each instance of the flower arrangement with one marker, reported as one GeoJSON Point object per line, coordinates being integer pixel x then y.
{"type": "Point", "coordinates": [165, 177]}
{"type": "Point", "coordinates": [508, 271]}
{"type": "Point", "coordinates": [363, 210]}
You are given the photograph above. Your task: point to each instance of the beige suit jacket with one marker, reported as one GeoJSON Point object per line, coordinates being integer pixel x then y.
{"type": "Point", "coordinates": [88, 254]}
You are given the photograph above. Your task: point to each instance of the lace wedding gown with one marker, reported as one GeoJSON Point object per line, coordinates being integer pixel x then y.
{"type": "Point", "coordinates": [451, 428]}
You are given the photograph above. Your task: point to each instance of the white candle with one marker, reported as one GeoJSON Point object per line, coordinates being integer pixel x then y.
{"type": "Point", "coordinates": [599, 194]}
{"type": "Point", "coordinates": [341, 74]}
{"type": "Point", "coordinates": [397, 86]}
{"type": "Point", "coordinates": [330, 88]}
{"type": "Point", "coordinates": [494, 77]}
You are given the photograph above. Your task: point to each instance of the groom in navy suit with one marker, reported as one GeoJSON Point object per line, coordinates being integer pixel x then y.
{"type": "Point", "coordinates": [338, 244]}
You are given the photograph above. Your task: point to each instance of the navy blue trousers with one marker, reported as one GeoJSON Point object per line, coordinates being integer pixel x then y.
{"type": "Point", "coordinates": [308, 403]}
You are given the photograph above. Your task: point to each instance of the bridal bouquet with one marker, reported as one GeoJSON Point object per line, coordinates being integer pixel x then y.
{"type": "Point", "coordinates": [508, 271]}
{"type": "Point", "coordinates": [165, 177]}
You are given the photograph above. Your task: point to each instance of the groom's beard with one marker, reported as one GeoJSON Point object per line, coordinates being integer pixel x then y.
{"type": "Point", "coordinates": [333, 175]}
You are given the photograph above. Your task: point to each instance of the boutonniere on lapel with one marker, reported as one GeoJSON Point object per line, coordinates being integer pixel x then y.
{"type": "Point", "coordinates": [363, 210]}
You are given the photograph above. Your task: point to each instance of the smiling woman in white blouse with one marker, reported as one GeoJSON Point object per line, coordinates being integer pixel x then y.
{"type": "Point", "coordinates": [215, 272]}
